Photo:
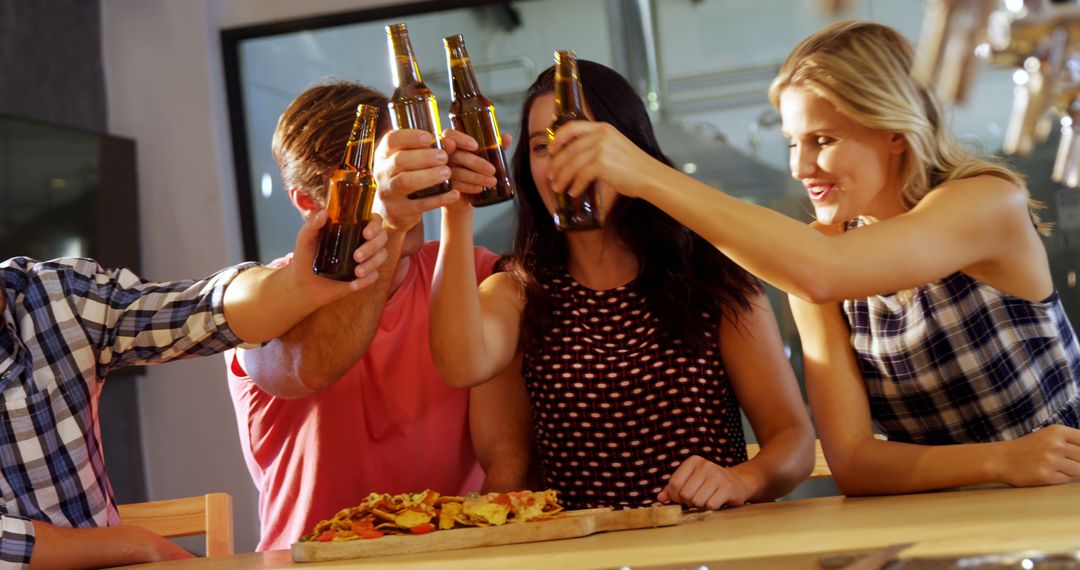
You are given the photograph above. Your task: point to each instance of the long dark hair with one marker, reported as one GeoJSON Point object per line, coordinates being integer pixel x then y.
{"type": "Point", "coordinates": [681, 275]}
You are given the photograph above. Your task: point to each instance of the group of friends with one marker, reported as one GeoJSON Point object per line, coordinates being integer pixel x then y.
{"type": "Point", "coordinates": [610, 365]}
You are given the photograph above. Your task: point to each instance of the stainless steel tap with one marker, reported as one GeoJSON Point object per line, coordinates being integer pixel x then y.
{"type": "Point", "coordinates": [1040, 39]}
{"type": "Point", "coordinates": [945, 58]}
{"type": "Point", "coordinates": [1033, 94]}
{"type": "Point", "coordinates": [1067, 162]}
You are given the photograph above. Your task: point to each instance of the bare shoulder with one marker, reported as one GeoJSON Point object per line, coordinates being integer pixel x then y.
{"type": "Point", "coordinates": [976, 193]}
{"type": "Point", "coordinates": [504, 287]}
{"type": "Point", "coordinates": [501, 280]}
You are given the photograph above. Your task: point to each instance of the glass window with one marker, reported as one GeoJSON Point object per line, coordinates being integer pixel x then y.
{"type": "Point", "coordinates": [508, 44]}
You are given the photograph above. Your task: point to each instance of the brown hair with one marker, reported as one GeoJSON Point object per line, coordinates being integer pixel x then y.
{"type": "Point", "coordinates": [310, 136]}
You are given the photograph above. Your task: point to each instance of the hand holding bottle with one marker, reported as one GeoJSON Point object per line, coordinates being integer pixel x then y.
{"type": "Point", "coordinates": [470, 173]}
{"type": "Point", "coordinates": [587, 152]}
{"type": "Point", "coordinates": [413, 105]}
{"type": "Point", "coordinates": [474, 115]}
{"type": "Point", "coordinates": [405, 162]}
{"type": "Point", "coordinates": [368, 258]}
{"type": "Point", "coordinates": [579, 211]}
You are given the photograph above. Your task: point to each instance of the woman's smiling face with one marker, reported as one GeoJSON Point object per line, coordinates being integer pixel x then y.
{"type": "Point", "coordinates": [848, 170]}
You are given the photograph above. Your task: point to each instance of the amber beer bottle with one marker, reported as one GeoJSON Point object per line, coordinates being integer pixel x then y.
{"type": "Point", "coordinates": [474, 115]}
{"type": "Point", "coordinates": [350, 192]}
{"type": "Point", "coordinates": [578, 213]}
{"type": "Point", "coordinates": [413, 105]}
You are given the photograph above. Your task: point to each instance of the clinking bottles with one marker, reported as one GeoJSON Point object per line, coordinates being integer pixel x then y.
{"type": "Point", "coordinates": [578, 213]}
{"type": "Point", "coordinates": [413, 105]}
{"type": "Point", "coordinates": [474, 115]}
{"type": "Point", "coordinates": [351, 190]}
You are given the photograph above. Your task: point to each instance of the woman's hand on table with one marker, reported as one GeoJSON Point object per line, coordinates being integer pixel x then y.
{"type": "Point", "coordinates": [1049, 456]}
{"type": "Point", "coordinates": [701, 483]}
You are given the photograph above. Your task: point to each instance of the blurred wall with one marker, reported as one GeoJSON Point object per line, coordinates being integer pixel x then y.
{"type": "Point", "coordinates": [50, 57]}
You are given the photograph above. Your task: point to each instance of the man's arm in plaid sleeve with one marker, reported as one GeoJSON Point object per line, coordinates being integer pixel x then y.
{"type": "Point", "coordinates": [263, 304]}
{"type": "Point", "coordinates": [71, 548]}
{"type": "Point", "coordinates": [139, 322]}
{"type": "Point", "coordinates": [16, 541]}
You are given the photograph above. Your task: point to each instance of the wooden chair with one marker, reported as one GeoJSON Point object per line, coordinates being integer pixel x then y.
{"type": "Point", "coordinates": [821, 467]}
{"type": "Point", "coordinates": [207, 514]}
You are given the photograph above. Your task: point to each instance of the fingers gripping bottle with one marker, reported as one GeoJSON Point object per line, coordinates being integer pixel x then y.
{"type": "Point", "coordinates": [474, 115]}
{"type": "Point", "coordinates": [578, 213]}
{"type": "Point", "coordinates": [413, 105]}
{"type": "Point", "coordinates": [349, 197]}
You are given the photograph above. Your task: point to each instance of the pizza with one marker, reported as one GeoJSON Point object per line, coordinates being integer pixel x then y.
{"type": "Point", "coordinates": [420, 513]}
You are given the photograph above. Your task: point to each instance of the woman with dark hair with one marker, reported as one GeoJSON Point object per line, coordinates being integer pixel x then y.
{"type": "Point", "coordinates": [638, 341]}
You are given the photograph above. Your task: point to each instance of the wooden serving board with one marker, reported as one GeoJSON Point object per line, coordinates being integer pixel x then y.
{"type": "Point", "coordinates": [569, 524]}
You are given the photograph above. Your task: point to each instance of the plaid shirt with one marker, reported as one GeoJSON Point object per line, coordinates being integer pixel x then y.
{"type": "Point", "coordinates": [66, 324]}
{"type": "Point", "coordinates": [963, 362]}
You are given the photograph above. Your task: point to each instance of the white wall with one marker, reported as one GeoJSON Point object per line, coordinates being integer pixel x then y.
{"type": "Point", "coordinates": [166, 90]}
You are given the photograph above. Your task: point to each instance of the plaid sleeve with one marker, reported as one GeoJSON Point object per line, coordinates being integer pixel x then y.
{"type": "Point", "coordinates": [16, 542]}
{"type": "Point", "coordinates": [134, 322]}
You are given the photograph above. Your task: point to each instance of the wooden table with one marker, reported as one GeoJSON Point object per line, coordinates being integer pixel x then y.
{"type": "Point", "coordinates": [791, 534]}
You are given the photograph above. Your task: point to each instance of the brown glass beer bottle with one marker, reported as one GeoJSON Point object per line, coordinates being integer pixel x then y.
{"type": "Point", "coordinates": [350, 192]}
{"type": "Point", "coordinates": [413, 105]}
{"type": "Point", "coordinates": [474, 115]}
{"type": "Point", "coordinates": [578, 213]}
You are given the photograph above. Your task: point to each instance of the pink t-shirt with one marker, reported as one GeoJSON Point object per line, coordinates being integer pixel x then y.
{"type": "Point", "coordinates": [390, 425]}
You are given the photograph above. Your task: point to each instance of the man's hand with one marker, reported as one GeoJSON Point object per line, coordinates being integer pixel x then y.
{"type": "Point", "coordinates": [261, 304]}
{"type": "Point", "coordinates": [368, 257]}
{"type": "Point", "coordinates": [161, 549]}
{"type": "Point", "coordinates": [701, 483]}
{"type": "Point", "coordinates": [405, 163]}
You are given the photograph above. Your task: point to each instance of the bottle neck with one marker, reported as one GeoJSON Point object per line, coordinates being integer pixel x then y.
{"type": "Point", "coordinates": [462, 74]}
{"type": "Point", "coordinates": [403, 63]}
{"type": "Point", "coordinates": [360, 150]}
{"type": "Point", "coordinates": [568, 96]}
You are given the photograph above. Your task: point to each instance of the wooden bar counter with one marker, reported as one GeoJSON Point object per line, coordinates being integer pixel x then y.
{"type": "Point", "coordinates": [793, 534]}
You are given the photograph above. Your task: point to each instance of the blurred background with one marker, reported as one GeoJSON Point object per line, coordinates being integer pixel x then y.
{"type": "Point", "coordinates": [159, 114]}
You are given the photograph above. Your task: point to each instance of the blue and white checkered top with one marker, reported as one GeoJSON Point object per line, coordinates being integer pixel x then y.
{"type": "Point", "coordinates": [66, 324]}
{"type": "Point", "coordinates": [962, 362]}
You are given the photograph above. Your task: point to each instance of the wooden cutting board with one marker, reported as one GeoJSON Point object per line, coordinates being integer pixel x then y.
{"type": "Point", "coordinates": [569, 524]}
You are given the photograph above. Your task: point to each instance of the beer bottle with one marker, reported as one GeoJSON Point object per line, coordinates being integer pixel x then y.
{"type": "Point", "coordinates": [350, 192]}
{"type": "Point", "coordinates": [578, 213]}
{"type": "Point", "coordinates": [474, 115]}
{"type": "Point", "coordinates": [413, 105]}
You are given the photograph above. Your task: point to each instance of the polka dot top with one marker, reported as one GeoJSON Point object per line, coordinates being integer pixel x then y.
{"type": "Point", "coordinates": [617, 405]}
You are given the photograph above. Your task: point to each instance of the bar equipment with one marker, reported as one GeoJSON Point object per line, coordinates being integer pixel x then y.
{"type": "Point", "coordinates": [1039, 38]}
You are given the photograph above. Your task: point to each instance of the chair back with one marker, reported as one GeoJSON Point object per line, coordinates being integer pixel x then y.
{"type": "Point", "coordinates": [207, 514]}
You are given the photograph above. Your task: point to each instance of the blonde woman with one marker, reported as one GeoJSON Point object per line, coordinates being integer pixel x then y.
{"type": "Point", "coordinates": [922, 293]}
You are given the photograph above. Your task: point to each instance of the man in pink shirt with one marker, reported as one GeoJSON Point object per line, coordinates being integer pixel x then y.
{"type": "Point", "coordinates": [349, 402]}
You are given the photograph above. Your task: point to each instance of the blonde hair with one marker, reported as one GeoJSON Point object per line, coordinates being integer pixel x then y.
{"type": "Point", "coordinates": [863, 69]}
